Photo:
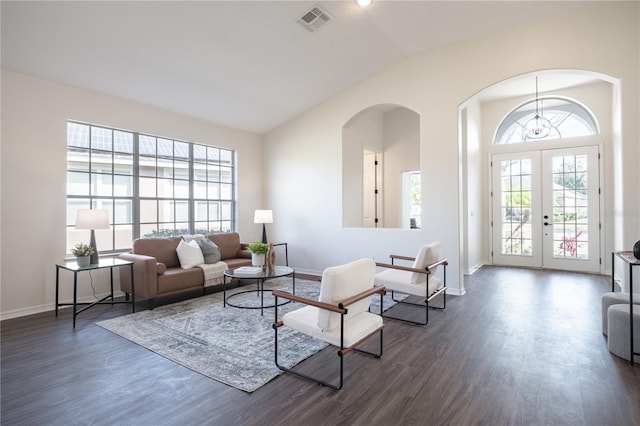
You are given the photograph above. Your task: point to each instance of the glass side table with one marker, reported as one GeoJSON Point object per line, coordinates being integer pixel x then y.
{"type": "Point", "coordinates": [72, 266]}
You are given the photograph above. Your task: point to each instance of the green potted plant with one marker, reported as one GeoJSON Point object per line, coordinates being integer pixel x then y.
{"type": "Point", "coordinates": [82, 252]}
{"type": "Point", "coordinates": [258, 251]}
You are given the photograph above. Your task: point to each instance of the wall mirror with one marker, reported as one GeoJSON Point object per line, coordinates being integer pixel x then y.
{"type": "Point", "coordinates": [381, 168]}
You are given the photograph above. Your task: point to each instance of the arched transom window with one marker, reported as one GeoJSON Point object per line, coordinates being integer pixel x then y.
{"type": "Point", "coordinates": [546, 118]}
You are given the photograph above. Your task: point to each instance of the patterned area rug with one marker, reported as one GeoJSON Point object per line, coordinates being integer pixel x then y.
{"type": "Point", "coordinates": [233, 346]}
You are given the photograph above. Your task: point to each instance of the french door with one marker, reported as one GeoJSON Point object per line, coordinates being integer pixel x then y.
{"type": "Point", "coordinates": [545, 209]}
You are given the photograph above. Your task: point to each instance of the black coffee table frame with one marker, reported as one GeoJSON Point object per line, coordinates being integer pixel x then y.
{"type": "Point", "coordinates": [260, 278]}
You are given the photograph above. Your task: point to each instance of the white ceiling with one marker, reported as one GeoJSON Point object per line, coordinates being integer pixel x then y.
{"type": "Point", "coordinates": [243, 64]}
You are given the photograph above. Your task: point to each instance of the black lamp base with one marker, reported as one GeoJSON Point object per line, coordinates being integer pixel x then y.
{"type": "Point", "coordinates": [94, 259]}
{"type": "Point", "coordinates": [264, 233]}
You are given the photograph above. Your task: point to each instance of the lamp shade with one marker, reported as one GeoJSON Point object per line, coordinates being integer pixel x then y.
{"type": "Point", "coordinates": [92, 219]}
{"type": "Point", "coordinates": [263, 216]}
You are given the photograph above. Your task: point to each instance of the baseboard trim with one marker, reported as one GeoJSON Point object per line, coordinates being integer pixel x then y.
{"type": "Point", "coordinates": [455, 291]}
{"type": "Point", "coordinates": [473, 269]}
{"type": "Point", "coordinates": [50, 307]}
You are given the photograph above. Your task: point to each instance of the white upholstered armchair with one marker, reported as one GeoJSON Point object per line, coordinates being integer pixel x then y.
{"type": "Point", "coordinates": [417, 280]}
{"type": "Point", "coordinates": [341, 314]}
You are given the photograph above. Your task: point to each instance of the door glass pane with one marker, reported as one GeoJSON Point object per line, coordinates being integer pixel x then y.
{"type": "Point", "coordinates": [570, 217]}
{"type": "Point", "coordinates": [516, 207]}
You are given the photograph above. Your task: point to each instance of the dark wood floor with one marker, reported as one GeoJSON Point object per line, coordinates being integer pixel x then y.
{"type": "Point", "coordinates": [522, 347]}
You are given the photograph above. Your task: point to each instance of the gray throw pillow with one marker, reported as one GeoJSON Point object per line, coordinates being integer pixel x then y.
{"type": "Point", "coordinates": [210, 251]}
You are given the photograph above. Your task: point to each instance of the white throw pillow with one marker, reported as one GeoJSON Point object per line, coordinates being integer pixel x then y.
{"type": "Point", "coordinates": [189, 254]}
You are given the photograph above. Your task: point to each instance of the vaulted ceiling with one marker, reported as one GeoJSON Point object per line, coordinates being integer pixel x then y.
{"type": "Point", "coordinates": [243, 64]}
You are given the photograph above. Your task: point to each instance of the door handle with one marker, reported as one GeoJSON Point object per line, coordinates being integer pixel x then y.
{"type": "Point", "coordinates": [547, 224]}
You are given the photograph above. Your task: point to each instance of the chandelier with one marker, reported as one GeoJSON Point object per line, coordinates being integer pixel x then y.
{"type": "Point", "coordinates": [537, 127]}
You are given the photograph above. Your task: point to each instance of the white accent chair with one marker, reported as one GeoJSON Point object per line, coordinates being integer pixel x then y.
{"type": "Point", "coordinates": [417, 280]}
{"type": "Point", "coordinates": [341, 314]}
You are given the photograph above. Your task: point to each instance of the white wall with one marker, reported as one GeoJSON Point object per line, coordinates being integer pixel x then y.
{"type": "Point", "coordinates": [401, 154]}
{"type": "Point", "coordinates": [475, 195]}
{"type": "Point", "coordinates": [302, 157]}
{"type": "Point", "coordinates": [33, 170]}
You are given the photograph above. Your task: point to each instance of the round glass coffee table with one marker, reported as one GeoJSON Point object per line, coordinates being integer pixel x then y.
{"type": "Point", "coordinates": [260, 275]}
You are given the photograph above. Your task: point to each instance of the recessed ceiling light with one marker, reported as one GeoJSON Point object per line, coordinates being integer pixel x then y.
{"type": "Point", "coordinates": [363, 3]}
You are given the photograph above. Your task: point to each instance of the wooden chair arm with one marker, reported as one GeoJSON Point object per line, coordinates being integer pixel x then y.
{"type": "Point", "coordinates": [341, 308]}
{"type": "Point", "coordinates": [360, 296]}
{"type": "Point", "coordinates": [304, 300]}
{"type": "Point", "coordinates": [397, 256]}
{"type": "Point", "coordinates": [402, 268]}
{"type": "Point", "coordinates": [427, 270]}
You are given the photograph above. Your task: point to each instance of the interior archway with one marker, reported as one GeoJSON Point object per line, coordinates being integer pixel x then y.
{"type": "Point", "coordinates": [381, 174]}
{"type": "Point", "coordinates": [479, 117]}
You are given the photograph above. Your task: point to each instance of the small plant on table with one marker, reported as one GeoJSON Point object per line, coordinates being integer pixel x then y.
{"type": "Point", "coordinates": [81, 250]}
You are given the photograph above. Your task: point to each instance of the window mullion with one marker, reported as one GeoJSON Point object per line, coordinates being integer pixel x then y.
{"type": "Point", "coordinates": [136, 186]}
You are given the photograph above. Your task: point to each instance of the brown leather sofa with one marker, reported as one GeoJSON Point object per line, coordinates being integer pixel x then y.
{"type": "Point", "coordinates": [157, 270]}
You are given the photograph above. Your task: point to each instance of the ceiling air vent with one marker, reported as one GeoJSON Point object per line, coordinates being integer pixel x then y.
{"type": "Point", "coordinates": [314, 19]}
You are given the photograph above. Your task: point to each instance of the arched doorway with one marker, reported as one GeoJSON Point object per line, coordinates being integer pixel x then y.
{"type": "Point", "coordinates": [495, 214]}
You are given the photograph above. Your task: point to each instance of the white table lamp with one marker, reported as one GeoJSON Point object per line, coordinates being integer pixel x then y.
{"type": "Point", "coordinates": [263, 216]}
{"type": "Point", "coordinates": [93, 219]}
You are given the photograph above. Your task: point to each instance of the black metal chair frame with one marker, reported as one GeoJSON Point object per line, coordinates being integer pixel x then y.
{"type": "Point", "coordinates": [340, 308]}
{"type": "Point", "coordinates": [427, 272]}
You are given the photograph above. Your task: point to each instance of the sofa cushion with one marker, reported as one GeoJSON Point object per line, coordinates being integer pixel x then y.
{"type": "Point", "coordinates": [189, 254]}
{"type": "Point", "coordinates": [163, 249]}
{"type": "Point", "coordinates": [210, 251]}
{"type": "Point", "coordinates": [178, 279]}
{"type": "Point", "coordinates": [229, 244]}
